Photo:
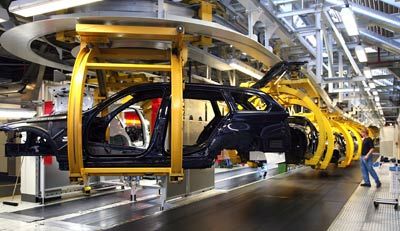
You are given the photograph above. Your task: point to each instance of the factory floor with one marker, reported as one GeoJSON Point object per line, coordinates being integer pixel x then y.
{"type": "Point", "coordinates": [303, 199]}
{"type": "Point", "coordinates": [7, 184]}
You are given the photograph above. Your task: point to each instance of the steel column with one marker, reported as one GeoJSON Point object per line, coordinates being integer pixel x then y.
{"type": "Point", "coordinates": [74, 115]}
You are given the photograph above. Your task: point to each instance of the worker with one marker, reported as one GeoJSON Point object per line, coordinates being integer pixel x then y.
{"type": "Point", "coordinates": [262, 169]}
{"type": "Point", "coordinates": [366, 161]}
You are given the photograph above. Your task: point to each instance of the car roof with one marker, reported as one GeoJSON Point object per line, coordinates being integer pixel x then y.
{"type": "Point", "coordinates": [191, 86]}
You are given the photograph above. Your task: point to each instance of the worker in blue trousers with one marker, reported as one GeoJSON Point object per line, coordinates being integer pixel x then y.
{"type": "Point", "coordinates": [366, 161]}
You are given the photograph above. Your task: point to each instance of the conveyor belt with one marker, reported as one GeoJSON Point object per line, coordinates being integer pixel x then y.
{"type": "Point", "coordinates": [60, 209]}
{"type": "Point", "coordinates": [238, 181]}
{"type": "Point", "coordinates": [233, 172]}
{"type": "Point", "coordinates": [131, 212]}
{"type": "Point", "coordinates": [303, 200]}
{"type": "Point", "coordinates": [117, 215]}
{"type": "Point", "coordinates": [65, 208]}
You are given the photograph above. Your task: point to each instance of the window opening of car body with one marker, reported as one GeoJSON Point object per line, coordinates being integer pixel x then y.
{"type": "Point", "coordinates": [197, 115]}
{"type": "Point", "coordinates": [203, 111]}
{"type": "Point", "coordinates": [246, 101]}
{"type": "Point", "coordinates": [125, 123]}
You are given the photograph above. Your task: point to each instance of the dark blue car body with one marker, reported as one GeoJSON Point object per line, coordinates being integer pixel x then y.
{"type": "Point", "coordinates": [244, 128]}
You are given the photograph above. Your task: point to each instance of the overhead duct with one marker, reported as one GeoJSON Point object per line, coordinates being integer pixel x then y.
{"type": "Point", "coordinates": [381, 41]}
{"type": "Point", "coordinates": [372, 16]}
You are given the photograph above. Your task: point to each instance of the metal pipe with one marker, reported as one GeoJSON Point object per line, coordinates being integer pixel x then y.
{"type": "Point", "coordinates": [319, 48]}
{"type": "Point", "coordinates": [342, 42]}
{"type": "Point", "coordinates": [384, 42]}
{"type": "Point", "coordinates": [375, 17]}
{"type": "Point", "coordinates": [204, 79]}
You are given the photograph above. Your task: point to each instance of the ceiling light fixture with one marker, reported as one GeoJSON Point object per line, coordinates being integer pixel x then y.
{"type": "Point", "coordinates": [28, 8]}
{"type": "Point", "coordinates": [349, 21]}
{"type": "Point", "coordinates": [360, 53]}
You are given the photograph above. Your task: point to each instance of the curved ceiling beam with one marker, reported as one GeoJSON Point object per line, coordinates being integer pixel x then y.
{"type": "Point", "coordinates": [18, 39]}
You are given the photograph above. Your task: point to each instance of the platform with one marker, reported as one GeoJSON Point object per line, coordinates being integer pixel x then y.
{"type": "Point", "coordinates": [303, 199]}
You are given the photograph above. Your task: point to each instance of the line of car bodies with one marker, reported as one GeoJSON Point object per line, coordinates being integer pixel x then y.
{"type": "Point", "coordinates": [243, 127]}
{"type": "Point", "coordinates": [108, 141]}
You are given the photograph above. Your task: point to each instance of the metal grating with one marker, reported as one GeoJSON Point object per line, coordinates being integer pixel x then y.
{"type": "Point", "coordinates": [359, 212]}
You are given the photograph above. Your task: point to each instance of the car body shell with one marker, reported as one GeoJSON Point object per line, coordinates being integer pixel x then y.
{"type": "Point", "coordinates": [245, 130]}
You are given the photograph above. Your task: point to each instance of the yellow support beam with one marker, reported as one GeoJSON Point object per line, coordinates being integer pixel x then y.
{"type": "Point", "coordinates": [88, 32]}
{"type": "Point", "coordinates": [125, 171]}
{"type": "Point", "coordinates": [128, 67]}
{"type": "Point", "coordinates": [88, 59]}
{"type": "Point", "coordinates": [304, 84]}
{"type": "Point", "coordinates": [354, 131]}
{"type": "Point", "coordinates": [134, 54]}
{"type": "Point", "coordinates": [74, 115]}
{"type": "Point", "coordinates": [349, 142]}
{"type": "Point", "coordinates": [330, 145]}
{"type": "Point", "coordinates": [325, 131]}
{"type": "Point", "coordinates": [205, 12]}
{"type": "Point", "coordinates": [176, 116]}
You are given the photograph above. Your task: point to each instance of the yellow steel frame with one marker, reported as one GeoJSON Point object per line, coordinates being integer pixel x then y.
{"type": "Point", "coordinates": [303, 93]}
{"type": "Point", "coordinates": [325, 131]}
{"type": "Point", "coordinates": [355, 132]}
{"type": "Point", "coordinates": [349, 142]}
{"type": "Point", "coordinates": [86, 60]}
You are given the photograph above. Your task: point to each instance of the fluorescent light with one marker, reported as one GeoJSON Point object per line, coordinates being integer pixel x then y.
{"type": "Point", "coordinates": [371, 85]}
{"type": "Point", "coordinates": [15, 113]}
{"type": "Point", "coordinates": [28, 8]}
{"type": "Point", "coordinates": [367, 72]}
{"type": "Point", "coordinates": [361, 55]}
{"type": "Point", "coordinates": [377, 99]}
{"type": "Point", "coordinates": [349, 21]}
{"type": "Point", "coordinates": [246, 69]}
{"type": "Point", "coordinates": [3, 15]}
